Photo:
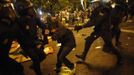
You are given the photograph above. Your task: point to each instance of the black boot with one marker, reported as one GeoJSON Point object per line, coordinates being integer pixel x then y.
{"type": "Point", "coordinates": [120, 61]}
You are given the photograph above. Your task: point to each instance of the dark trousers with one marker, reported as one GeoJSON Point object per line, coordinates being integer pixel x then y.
{"type": "Point", "coordinates": [8, 66]}
{"type": "Point", "coordinates": [61, 57]}
{"type": "Point", "coordinates": [116, 31]}
{"type": "Point", "coordinates": [37, 57]}
{"type": "Point", "coordinates": [107, 37]}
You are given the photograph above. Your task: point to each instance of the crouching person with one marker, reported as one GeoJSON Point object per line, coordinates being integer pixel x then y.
{"type": "Point", "coordinates": [64, 36]}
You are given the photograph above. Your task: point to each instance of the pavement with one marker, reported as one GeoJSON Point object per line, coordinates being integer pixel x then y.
{"type": "Point", "coordinates": [97, 62]}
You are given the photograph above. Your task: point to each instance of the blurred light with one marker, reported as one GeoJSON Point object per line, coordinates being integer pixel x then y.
{"type": "Point", "coordinates": [127, 1]}
{"type": "Point", "coordinates": [48, 14]}
{"type": "Point", "coordinates": [128, 38]}
{"type": "Point", "coordinates": [98, 47]}
{"type": "Point", "coordinates": [113, 5]}
{"type": "Point", "coordinates": [40, 12]}
{"type": "Point", "coordinates": [127, 44]}
{"type": "Point", "coordinates": [82, 3]}
{"type": "Point", "coordinates": [67, 13]}
{"type": "Point", "coordinates": [73, 49]}
{"type": "Point", "coordinates": [59, 44]}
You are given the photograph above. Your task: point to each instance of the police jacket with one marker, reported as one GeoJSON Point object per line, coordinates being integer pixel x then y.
{"type": "Point", "coordinates": [28, 38]}
{"type": "Point", "coordinates": [29, 29]}
{"type": "Point", "coordinates": [8, 31]}
{"type": "Point", "coordinates": [118, 12]}
{"type": "Point", "coordinates": [100, 19]}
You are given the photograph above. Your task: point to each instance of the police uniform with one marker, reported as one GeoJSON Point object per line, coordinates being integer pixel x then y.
{"type": "Point", "coordinates": [8, 29]}
{"type": "Point", "coordinates": [117, 14]}
{"type": "Point", "coordinates": [101, 20]}
{"type": "Point", "coordinates": [28, 22]}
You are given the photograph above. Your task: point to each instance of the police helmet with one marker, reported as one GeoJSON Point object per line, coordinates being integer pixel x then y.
{"type": "Point", "coordinates": [5, 3]}
{"type": "Point", "coordinates": [23, 4]}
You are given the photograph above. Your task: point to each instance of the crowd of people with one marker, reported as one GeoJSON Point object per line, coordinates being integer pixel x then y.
{"type": "Point", "coordinates": [20, 23]}
{"type": "Point", "coordinates": [70, 17]}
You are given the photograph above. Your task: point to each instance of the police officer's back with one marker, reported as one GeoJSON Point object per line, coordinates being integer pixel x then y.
{"type": "Point", "coordinates": [101, 20]}
{"type": "Point", "coordinates": [28, 22]}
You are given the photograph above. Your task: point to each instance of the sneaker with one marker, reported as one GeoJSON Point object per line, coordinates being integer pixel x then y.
{"type": "Point", "coordinates": [67, 71]}
{"type": "Point", "coordinates": [80, 57]}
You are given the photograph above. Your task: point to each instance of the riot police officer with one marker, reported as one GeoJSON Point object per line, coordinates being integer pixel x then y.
{"type": "Point", "coordinates": [101, 20]}
{"type": "Point", "coordinates": [28, 39]}
{"type": "Point", "coordinates": [8, 29]}
{"type": "Point", "coordinates": [119, 11]}
{"type": "Point", "coordinates": [11, 28]}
